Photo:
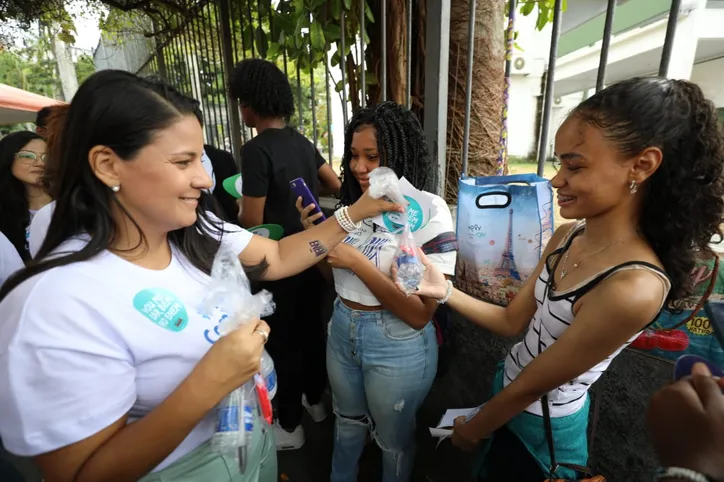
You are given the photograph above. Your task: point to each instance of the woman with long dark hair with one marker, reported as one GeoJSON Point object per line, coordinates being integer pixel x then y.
{"type": "Point", "coordinates": [382, 346]}
{"type": "Point", "coordinates": [22, 164]}
{"type": "Point", "coordinates": [108, 371]}
{"type": "Point", "coordinates": [641, 165]}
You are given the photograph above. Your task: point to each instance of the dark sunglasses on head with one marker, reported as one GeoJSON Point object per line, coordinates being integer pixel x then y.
{"type": "Point", "coordinates": [29, 156]}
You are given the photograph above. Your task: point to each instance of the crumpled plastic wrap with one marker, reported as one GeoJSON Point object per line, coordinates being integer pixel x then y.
{"type": "Point", "coordinates": [410, 270]}
{"type": "Point", "coordinates": [229, 292]}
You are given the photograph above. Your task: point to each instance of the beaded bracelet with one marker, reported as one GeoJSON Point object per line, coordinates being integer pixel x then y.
{"type": "Point", "coordinates": [345, 221]}
{"type": "Point", "coordinates": [664, 473]}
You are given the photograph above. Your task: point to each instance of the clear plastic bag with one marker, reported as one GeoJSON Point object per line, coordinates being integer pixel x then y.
{"type": "Point", "coordinates": [410, 270]}
{"type": "Point", "coordinates": [229, 292]}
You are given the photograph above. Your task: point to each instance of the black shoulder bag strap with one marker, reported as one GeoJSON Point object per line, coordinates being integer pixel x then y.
{"type": "Point", "coordinates": [546, 409]}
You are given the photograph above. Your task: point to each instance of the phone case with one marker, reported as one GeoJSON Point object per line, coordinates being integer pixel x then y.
{"type": "Point", "coordinates": [299, 188]}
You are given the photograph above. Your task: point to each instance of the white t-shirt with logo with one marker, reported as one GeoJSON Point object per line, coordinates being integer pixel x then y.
{"type": "Point", "coordinates": [38, 227]}
{"type": "Point", "coordinates": [10, 261]}
{"type": "Point", "coordinates": [83, 344]}
{"type": "Point", "coordinates": [379, 245]}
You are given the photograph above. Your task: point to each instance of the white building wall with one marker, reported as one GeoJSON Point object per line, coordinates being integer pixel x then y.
{"type": "Point", "coordinates": [526, 86]}
{"type": "Point", "coordinates": [708, 75]}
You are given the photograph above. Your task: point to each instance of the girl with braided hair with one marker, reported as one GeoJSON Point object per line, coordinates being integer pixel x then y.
{"type": "Point", "coordinates": [382, 347]}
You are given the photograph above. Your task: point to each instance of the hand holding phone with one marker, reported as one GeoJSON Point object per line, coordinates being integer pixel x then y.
{"type": "Point", "coordinates": [300, 189]}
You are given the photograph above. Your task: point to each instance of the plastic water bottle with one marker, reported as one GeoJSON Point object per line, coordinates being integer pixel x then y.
{"type": "Point", "coordinates": [269, 373]}
{"type": "Point", "coordinates": [409, 271]}
{"type": "Point", "coordinates": [229, 431]}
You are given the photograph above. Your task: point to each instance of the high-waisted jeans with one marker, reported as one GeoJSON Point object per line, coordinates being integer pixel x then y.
{"type": "Point", "coordinates": [380, 370]}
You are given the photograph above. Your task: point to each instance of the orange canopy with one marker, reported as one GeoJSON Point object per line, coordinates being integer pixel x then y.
{"type": "Point", "coordinates": [17, 105]}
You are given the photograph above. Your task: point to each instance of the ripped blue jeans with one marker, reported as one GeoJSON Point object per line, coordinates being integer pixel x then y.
{"type": "Point", "coordinates": [380, 370]}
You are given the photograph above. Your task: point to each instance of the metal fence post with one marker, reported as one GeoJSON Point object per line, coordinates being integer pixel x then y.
{"type": "Point", "coordinates": [550, 78]}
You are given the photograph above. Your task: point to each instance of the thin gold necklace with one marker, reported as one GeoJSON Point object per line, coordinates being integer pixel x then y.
{"type": "Point", "coordinates": [564, 273]}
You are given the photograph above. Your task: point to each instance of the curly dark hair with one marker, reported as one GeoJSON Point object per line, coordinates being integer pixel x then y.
{"type": "Point", "coordinates": [400, 142]}
{"type": "Point", "coordinates": [683, 203]}
{"type": "Point", "coordinates": [14, 205]}
{"type": "Point", "coordinates": [263, 86]}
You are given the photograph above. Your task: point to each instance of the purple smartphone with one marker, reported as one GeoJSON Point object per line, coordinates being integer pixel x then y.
{"type": "Point", "coordinates": [684, 364]}
{"type": "Point", "coordinates": [299, 188]}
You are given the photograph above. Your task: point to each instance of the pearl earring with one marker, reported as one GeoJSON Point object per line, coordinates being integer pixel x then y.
{"type": "Point", "coordinates": [633, 188]}
{"type": "Point", "coordinates": [116, 188]}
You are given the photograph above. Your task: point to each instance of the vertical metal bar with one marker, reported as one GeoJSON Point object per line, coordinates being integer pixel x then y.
{"type": "Point", "coordinates": [605, 44]}
{"type": "Point", "coordinates": [550, 80]}
{"type": "Point", "coordinates": [183, 64]}
{"type": "Point", "coordinates": [468, 86]}
{"type": "Point", "coordinates": [228, 56]}
{"type": "Point", "coordinates": [236, 40]}
{"type": "Point", "coordinates": [311, 91]}
{"type": "Point", "coordinates": [190, 55]}
{"type": "Point", "coordinates": [202, 61]}
{"type": "Point", "coordinates": [669, 39]}
{"type": "Point", "coordinates": [251, 23]}
{"type": "Point", "coordinates": [258, 14]}
{"type": "Point", "coordinates": [510, 41]}
{"type": "Point", "coordinates": [343, 68]}
{"type": "Point", "coordinates": [159, 57]}
{"type": "Point", "coordinates": [437, 59]}
{"type": "Point", "coordinates": [211, 75]}
{"type": "Point", "coordinates": [408, 87]}
{"type": "Point", "coordinates": [383, 80]}
{"type": "Point", "coordinates": [362, 102]}
{"type": "Point", "coordinates": [220, 80]}
{"type": "Point", "coordinates": [330, 143]}
{"type": "Point", "coordinates": [299, 98]}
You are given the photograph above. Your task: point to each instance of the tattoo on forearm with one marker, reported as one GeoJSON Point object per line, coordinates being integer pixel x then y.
{"type": "Point", "coordinates": [317, 248]}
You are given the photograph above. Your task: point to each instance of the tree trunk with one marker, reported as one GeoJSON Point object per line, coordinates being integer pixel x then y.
{"type": "Point", "coordinates": [487, 90]}
{"type": "Point", "coordinates": [396, 50]}
{"type": "Point", "coordinates": [66, 68]}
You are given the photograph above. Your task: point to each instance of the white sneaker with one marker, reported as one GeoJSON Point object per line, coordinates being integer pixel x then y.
{"type": "Point", "coordinates": [317, 412]}
{"type": "Point", "coordinates": [288, 440]}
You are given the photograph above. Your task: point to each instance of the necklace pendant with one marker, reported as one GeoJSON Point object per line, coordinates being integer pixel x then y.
{"type": "Point", "coordinates": [563, 273]}
{"type": "Point", "coordinates": [576, 265]}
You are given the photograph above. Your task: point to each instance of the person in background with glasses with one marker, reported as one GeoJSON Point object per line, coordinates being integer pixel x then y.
{"type": "Point", "coordinates": [22, 164]}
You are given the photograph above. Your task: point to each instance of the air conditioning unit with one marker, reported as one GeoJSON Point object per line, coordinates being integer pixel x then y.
{"type": "Point", "coordinates": [520, 66]}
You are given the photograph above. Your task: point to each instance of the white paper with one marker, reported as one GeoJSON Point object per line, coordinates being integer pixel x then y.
{"type": "Point", "coordinates": [448, 420]}
{"type": "Point", "coordinates": [425, 205]}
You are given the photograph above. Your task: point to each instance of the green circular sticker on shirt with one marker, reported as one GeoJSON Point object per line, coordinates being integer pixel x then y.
{"type": "Point", "coordinates": [162, 307]}
{"type": "Point", "coordinates": [393, 221]}
{"type": "Point", "coordinates": [271, 231]}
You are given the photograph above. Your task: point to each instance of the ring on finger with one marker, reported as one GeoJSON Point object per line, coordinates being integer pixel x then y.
{"type": "Point", "coordinates": [264, 335]}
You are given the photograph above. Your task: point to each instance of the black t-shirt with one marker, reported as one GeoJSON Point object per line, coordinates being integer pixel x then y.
{"type": "Point", "coordinates": [268, 162]}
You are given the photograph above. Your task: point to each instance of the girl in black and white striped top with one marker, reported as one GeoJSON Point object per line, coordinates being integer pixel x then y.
{"type": "Point", "coordinates": [641, 165]}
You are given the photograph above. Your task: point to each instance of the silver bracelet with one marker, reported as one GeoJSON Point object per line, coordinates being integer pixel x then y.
{"type": "Point", "coordinates": [448, 293]}
{"type": "Point", "coordinates": [665, 473]}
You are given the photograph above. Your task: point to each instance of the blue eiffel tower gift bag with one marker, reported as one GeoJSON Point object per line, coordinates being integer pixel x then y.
{"type": "Point", "coordinates": [503, 225]}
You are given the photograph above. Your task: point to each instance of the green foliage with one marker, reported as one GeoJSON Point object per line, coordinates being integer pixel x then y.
{"type": "Point", "coordinates": [545, 10]}
{"type": "Point", "coordinates": [32, 67]}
